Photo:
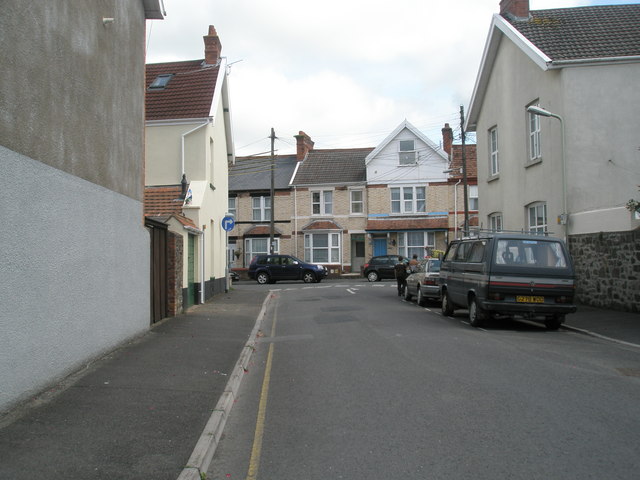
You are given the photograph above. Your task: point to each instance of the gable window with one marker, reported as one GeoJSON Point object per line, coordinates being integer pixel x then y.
{"type": "Point", "coordinates": [538, 217]}
{"type": "Point", "coordinates": [261, 208]}
{"type": "Point", "coordinates": [356, 198]}
{"type": "Point", "coordinates": [407, 153]}
{"type": "Point", "coordinates": [495, 222]}
{"type": "Point", "coordinates": [322, 247]}
{"type": "Point", "coordinates": [161, 81]}
{"type": "Point", "coordinates": [408, 199]}
{"type": "Point", "coordinates": [414, 243]}
{"type": "Point", "coordinates": [494, 167]}
{"type": "Point", "coordinates": [473, 197]}
{"type": "Point", "coordinates": [231, 206]}
{"type": "Point", "coordinates": [322, 202]}
{"type": "Point", "coordinates": [534, 137]}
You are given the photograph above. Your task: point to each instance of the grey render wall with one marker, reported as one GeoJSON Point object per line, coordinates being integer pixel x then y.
{"type": "Point", "coordinates": [72, 88]}
{"type": "Point", "coordinates": [74, 253]}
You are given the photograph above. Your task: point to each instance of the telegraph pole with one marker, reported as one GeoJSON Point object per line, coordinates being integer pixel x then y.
{"type": "Point", "coordinates": [464, 174]}
{"type": "Point", "coordinates": [273, 203]}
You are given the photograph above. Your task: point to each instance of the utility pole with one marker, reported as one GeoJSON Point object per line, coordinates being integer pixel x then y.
{"type": "Point", "coordinates": [464, 174]}
{"type": "Point", "coordinates": [273, 203]}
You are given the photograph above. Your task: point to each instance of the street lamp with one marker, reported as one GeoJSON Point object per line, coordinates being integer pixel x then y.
{"type": "Point", "coordinates": [564, 218]}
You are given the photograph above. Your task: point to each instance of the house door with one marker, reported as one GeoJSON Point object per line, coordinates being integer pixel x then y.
{"type": "Point", "coordinates": [158, 236]}
{"type": "Point", "coordinates": [379, 246]}
{"type": "Point", "coordinates": [191, 271]}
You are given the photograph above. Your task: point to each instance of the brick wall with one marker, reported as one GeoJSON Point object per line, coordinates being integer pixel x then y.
{"type": "Point", "coordinates": [607, 269]}
{"type": "Point", "coordinates": [174, 273]}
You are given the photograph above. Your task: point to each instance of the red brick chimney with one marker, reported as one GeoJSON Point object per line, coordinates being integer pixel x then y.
{"type": "Point", "coordinates": [514, 9]}
{"type": "Point", "coordinates": [447, 138]}
{"type": "Point", "coordinates": [212, 47]}
{"type": "Point", "coordinates": [303, 144]}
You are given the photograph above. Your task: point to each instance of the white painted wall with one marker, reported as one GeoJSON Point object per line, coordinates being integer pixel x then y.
{"type": "Point", "coordinates": [74, 258]}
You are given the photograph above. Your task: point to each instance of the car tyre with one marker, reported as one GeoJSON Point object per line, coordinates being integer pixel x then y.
{"type": "Point", "coordinates": [420, 298]}
{"type": "Point", "coordinates": [407, 295]}
{"type": "Point", "coordinates": [554, 322]}
{"type": "Point", "coordinates": [373, 276]}
{"type": "Point", "coordinates": [262, 278]}
{"type": "Point", "coordinates": [447, 306]}
{"type": "Point", "coordinates": [476, 314]}
{"type": "Point", "coordinates": [308, 277]}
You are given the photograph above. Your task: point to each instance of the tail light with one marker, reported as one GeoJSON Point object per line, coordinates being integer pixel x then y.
{"type": "Point", "coordinates": [429, 281]}
{"type": "Point", "coordinates": [496, 296]}
{"type": "Point", "coordinates": [366, 265]}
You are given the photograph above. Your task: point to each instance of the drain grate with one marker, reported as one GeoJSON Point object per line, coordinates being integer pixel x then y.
{"type": "Point", "coordinates": [629, 372]}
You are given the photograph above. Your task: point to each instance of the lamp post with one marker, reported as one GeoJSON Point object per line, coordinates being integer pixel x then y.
{"type": "Point", "coordinates": [564, 218]}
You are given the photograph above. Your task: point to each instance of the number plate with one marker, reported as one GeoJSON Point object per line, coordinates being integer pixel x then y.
{"type": "Point", "coordinates": [529, 299]}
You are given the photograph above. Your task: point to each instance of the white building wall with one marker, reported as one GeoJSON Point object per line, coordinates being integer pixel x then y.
{"type": "Point", "coordinates": [65, 246]}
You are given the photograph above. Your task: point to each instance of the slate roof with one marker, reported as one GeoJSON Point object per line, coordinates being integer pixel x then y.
{"type": "Point", "coordinates": [345, 165]}
{"type": "Point", "coordinates": [189, 93]}
{"type": "Point", "coordinates": [394, 225]}
{"type": "Point", "coordinates": [161, 203]}
{"type": "Point", "coordinates": [583, 32]}
{"type": "Point", "coordinates": [253, 173]}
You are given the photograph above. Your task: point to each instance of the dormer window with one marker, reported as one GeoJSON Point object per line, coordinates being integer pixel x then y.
{"type": "Point", "coordinates": [160, 82]}
{"type": "Point", "coordinates": [407, 152]}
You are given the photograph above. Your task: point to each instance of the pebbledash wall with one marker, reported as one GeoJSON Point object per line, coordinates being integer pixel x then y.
{"type": "Point", "coordinates": [607, 269]}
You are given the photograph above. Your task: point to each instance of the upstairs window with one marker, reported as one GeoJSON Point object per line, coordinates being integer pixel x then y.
{"type": "Point", "coordinates": [407, 152]}
{"type": "Point", "coordinates": [357, 202]}
{"type": "Point", "coordinates": [231, 206]}
{"type": "Point", "coordinates": [473, 197]}
{"type": "Point", "coordinates": [494, 167]}
{"type": "Point", "coordinates": [261, 208]}
{"type": "Point", "coordinates": [161, 82]}
{"type": "Point", "coordinates": [534, 137]}
{"type": "Point", "coordinates": [408, 200]}
{"type": "Point", "coordinates": [322, 202]}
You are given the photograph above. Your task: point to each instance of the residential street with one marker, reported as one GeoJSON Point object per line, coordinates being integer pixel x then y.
{"type": "Point", "coordinates": [348, 381]}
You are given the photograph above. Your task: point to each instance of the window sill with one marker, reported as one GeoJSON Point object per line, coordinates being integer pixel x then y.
{"type": "Point", "coordinates": [493, 178]}
{"type": "Point", "coordinates": [531, 163]}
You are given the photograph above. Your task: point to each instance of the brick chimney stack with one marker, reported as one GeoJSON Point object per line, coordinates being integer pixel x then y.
{"type": "Point", "coordinates": [447, 138]}
{"type": "Point", "coordinates": [515, 9]}
{"type": "Point", "coordinates": [212, 47]}
{"type": "Point", "coordinates": [303, 144]}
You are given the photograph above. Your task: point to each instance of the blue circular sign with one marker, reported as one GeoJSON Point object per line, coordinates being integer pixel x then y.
{"type": "Point", "coordinates": [228, 223]}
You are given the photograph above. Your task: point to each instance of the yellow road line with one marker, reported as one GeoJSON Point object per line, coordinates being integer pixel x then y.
{"type": "Point", "coordinates": [256, 450]}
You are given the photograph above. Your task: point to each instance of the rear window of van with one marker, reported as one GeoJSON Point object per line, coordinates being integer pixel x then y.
{"type": "Point", "coordinates": [530, 253]}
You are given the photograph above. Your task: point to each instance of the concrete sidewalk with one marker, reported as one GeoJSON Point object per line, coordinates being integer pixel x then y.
{"type": "Point", "coordinates": [621, 327]}
{"type": "Point", "coordinates": [139, 412]}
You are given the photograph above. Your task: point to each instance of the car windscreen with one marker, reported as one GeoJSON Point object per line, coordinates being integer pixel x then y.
{"type": "Point", "coordinates": [530, 253]}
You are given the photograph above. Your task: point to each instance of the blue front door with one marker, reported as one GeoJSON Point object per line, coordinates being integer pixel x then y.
{"type": "Point", "coordinates": [379, 246]}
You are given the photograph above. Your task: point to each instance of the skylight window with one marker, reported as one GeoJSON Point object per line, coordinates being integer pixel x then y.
{"type": "Point", "coordinates": [161, 81]}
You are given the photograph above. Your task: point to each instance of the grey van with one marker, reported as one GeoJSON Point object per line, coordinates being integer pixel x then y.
{"type": "Point", "coordinates": [508, 274]}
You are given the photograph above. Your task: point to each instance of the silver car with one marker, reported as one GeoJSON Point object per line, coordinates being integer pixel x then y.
{"type": "Point", "coordinates": [423, 283]}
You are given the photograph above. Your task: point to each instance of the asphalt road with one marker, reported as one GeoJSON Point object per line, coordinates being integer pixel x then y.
{"type": "Point", "coordinates": [351, 382]}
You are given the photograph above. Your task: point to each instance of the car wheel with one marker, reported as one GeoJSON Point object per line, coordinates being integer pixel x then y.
{"type": "Point", "coordinates": [447, 306]}
{"type": "Point", "coordinates": [476, 314]}
{"type": "Point", "coordinates": [262, 278]}
{"type": "Point", "coordinates": [420, 299]}
{"type": "Point", "coordinates": [554, 322]}
{"type": "Point", "coordinates": [373, 276]}
{"type": "Point", "coordinates": [308, 277]}
{"type": "Point", "coordinates": [407, 295]}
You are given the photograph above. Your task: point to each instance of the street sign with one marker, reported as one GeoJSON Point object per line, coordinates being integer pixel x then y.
{"type": "Point", "coordinates": [228, 223]}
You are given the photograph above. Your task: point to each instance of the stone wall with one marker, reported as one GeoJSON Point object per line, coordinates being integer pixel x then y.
{"type": "Point", "coordinates": [174, 273]}
{"type": "Point", "coordinates": [607, 269]}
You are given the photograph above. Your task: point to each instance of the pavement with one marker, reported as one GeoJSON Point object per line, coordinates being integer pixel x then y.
{"type": "Point", "coordinates": [155, 408]}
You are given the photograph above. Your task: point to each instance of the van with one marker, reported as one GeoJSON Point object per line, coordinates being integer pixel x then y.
{"type": "Point", "coordinates": [508, 274]}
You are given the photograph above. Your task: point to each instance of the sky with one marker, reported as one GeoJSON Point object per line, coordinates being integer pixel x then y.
{"type": "Point", "coordinates": [346, 72]}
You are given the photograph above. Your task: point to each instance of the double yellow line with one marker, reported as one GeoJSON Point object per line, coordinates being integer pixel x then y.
{"type": "Point", "coordinates": [256, 450]}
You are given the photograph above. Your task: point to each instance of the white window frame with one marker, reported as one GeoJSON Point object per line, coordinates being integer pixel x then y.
{"type": "Point", "coordinates": [535, 151]}
{"type": "Point", "coordinates": [494, 164]}
{"type": "Point", "coordinates": [495, 222]}
{"type": "Point", "coordinates": [410, 243]}
{"type": "Point", "coordinates": [407, 200]}
{"type": "Point", "coordinates": [407, 156]}
{"type": "Point", "coordinates": [252, 247]}
{"type": "Point", "coordinates": [537, 217]}
{"type": "Point", "coordinates": [264, 208]}
{"type": "Point", "coordinates": [320, 253]}
{"type": "Point", "coordinates": [232, 206]}
{"type": "Point", "coordinates": [323, 204]}
{"type": "Point", "coordinates": [473, 197]}
{"type": "Point", "coordinates": [356, 203]}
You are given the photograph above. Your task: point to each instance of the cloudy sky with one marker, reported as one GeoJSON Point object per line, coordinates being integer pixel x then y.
{"type": "Point", "coordinates": [347, 72]}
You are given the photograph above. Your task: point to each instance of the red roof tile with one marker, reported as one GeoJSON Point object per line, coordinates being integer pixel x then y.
{"type": "Point", "coordinates": [165, 202]}
{"type": "Point", "coordinates": [188, 94]}
{"type": "Point", "coordinates": [323, 225]}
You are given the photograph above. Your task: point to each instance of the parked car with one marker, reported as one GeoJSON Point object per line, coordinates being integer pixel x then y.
{"type": "Point", "coordinates": [380, 267]}
{"type": "Point", "coordinates": [271, 268]}
{"type": "Point", "coordinates": [423, 283]}
{"type": "Point", "coordinates": [505, 274]}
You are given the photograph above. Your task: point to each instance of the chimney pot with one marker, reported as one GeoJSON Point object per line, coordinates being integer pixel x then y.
{"type": "Point", "coordinates": [212, 47]}
{"type": "Point", "coordinates": [447, 138]}
{"type": "Point", "coordinates": [303, 145]}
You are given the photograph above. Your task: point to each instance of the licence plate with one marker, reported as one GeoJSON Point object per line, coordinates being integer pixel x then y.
{"type": "Point", "coordinates": [529, 299]}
